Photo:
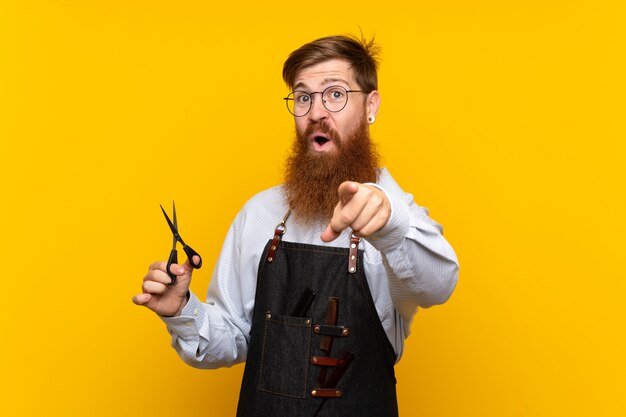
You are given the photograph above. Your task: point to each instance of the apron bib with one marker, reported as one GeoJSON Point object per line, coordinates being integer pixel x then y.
{"type": "Point", "coordinates": [317, 346]}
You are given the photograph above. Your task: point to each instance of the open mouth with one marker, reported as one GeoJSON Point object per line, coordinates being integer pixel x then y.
{"type": "Point", "coordinates": [320, 140]}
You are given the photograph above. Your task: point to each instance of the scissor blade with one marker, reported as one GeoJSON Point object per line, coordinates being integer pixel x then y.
{"type": "Point", "coordinates": [175, 221]}
{"type": "Point", "coordinates": [172, 227]}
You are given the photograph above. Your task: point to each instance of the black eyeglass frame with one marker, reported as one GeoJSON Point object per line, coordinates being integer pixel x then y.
{"type": "Point", "coordinates": [321, 93]}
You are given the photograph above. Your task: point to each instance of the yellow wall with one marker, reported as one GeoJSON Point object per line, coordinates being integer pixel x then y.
{"type": "Point", "coordinates": [506, 119]}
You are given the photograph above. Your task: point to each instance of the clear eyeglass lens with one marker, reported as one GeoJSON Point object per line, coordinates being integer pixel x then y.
{"type": "Point", "coordinates": [299, 103]}
{"type": "Point", "coordinates": [334, 98]}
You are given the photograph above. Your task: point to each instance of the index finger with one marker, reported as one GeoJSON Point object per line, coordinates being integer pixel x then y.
{"type": "Point", "coordinates": [158, 266]}
{"type": "Point", "coordinates": [347, 190]}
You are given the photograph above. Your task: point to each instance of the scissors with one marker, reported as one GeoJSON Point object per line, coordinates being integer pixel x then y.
{"type": "Point", "coordinates": [173, 254]}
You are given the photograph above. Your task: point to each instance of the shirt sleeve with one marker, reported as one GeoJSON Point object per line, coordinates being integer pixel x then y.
{"type": "Point", "coordinates": [421, 265]}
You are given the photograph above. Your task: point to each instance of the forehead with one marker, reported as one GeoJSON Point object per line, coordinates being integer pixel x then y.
{"type": "Point", "coordinates": [334, 71]}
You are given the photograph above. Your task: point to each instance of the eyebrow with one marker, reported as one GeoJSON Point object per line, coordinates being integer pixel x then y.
{"type": "Point", "coordinates": [334, 80]}
{"type": "Point", "coordinates": [326, 81]}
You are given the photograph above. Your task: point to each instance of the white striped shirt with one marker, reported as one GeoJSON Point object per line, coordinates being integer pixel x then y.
{"type": "Point", "coordinates": [408, 264]}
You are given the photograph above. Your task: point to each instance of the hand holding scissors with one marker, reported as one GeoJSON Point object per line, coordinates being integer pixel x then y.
{"type": "Point", "coordinates": [173, 259]}
{"type": "Point", "coordinates": [159, 293]}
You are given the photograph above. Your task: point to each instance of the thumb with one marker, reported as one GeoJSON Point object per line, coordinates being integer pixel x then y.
{"type": "Point", "coordinates": [347, 190]}
{"type": "Point", "coordinates": [183, 272]}
{"type": "Point", "coordinates": [196, 260]}
{"type": "Point", "coordinates": [187, 268]}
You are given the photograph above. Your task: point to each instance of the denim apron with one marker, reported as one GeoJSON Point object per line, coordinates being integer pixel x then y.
{"type": "Point", "coordinates": [317, 346]}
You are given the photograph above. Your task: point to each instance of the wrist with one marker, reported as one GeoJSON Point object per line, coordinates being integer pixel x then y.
{"type": "Point", "coordinates": [183, 302]}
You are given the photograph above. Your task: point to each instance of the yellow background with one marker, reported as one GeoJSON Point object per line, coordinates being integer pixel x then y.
{"type": "Point", "coordinates": [505, 119]}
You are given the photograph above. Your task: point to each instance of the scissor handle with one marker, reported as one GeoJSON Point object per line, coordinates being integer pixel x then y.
{"type": "Point", "coordinates": [172, 260]}
{"type": "Point", "coordinates": [190, 254]}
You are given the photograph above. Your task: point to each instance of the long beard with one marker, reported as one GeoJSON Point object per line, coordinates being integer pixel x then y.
{"type": "Point", "coordinates": [312, 179]}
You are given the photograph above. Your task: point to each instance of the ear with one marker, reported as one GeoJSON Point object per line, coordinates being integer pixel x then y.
{"type": "Point", "coordinates": [373, 103]}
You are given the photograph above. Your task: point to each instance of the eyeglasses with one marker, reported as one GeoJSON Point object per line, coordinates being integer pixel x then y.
{"type": "Point", "coordinates": [334, 98]}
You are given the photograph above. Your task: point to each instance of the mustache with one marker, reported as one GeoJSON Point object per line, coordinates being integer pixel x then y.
{"type": "Point", "coordinates": [322, 127]}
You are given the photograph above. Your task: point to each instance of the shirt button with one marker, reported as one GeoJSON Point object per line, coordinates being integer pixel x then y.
{"type": "Point", "coordinates": [195, 312]}
{"type": "Point", "coordinates": [189, 323]}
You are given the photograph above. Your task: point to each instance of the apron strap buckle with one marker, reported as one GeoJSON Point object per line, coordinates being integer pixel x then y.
{"type": "Point", "coordinates": [280, 230]}
{"type": "Point", "coordinates": [352, 255]}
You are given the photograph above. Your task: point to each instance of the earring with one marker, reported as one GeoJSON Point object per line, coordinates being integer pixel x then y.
{"type": "Point", "coordinates": [371, 119]}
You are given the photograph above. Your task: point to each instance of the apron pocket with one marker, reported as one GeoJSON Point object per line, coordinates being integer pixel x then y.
{"type": "Point", "coordinates": [285, 355]}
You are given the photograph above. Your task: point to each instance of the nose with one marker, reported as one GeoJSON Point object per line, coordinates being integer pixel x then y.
{"type": "Point", "coordinates": [318, 111]}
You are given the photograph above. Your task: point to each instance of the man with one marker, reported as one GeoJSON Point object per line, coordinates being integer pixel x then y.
{"type": "Point", "coordinates": [318, 306]}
